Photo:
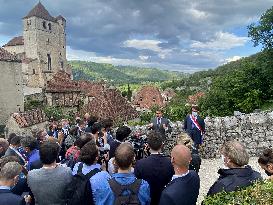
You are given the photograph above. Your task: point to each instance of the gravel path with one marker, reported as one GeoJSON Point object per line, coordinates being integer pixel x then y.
{"type": "Point", "coordinates": [208, 174]}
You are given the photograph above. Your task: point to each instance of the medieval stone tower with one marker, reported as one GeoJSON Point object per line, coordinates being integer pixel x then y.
{"type": "Point", "coordinates": [42, 46]}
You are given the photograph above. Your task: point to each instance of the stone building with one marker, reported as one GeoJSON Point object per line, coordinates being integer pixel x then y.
{"type": "Point", "coordinates": [24, 123]}
{"type": "Point", "coordinates": [42, 47]}
{"type": "Point", "coordinates": [168, 94]}
{"type": "Point", "coordinates": [147, 97]}
{"type": "Point", "coordinates": [34, 66]}
{"type": "Point", "coordinates": [29, 61]}
{"type": "Point", "coordinates": [11, 89]}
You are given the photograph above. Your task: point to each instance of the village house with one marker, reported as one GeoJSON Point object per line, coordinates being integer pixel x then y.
{"type": "Point", "coordinates": [149, 96]}
{"type": "Point", "coordinates": [34, 65]}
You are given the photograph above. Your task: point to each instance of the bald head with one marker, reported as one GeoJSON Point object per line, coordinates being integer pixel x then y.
{"type": "Point", "coordinates": [181, 156]}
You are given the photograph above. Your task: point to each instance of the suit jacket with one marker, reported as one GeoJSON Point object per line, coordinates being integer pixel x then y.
{"type": "Point", "coordinates": [182, 190]}
{"type": "Point", "coordinates": [192, 130]}
{"type": "Point", "coordinates": [233, 179]}
{"type": "Point", "coordinates": [157, 170]}
{"type": "Point", "coordinates": [7, 197]}
{"type": "Point", "coordinates": [11, 152]}
{"type": "Point", "coordinates": [159, 127]}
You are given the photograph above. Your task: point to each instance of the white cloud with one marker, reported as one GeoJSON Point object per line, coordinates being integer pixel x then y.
{"type": "Point", "coordinates": [143, 44]}
{"type": "Point", "coordinates": [197, 13]}
{"type": "Point", "coordinates": [222, 41]}
{"type": "Point", "coordinates": [152, 45]}
{"type": "Point", "coordinates": [233, 58]}
{"type": "Point", "coordinates": [144, 57]}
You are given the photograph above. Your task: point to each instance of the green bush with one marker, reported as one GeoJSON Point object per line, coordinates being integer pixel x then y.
{"type": "Point", "coordinates": [260, 193]}
{"type": "Point", "coordinates": [58, 113]}
{"type": "Point", "coordinates": [33, 104]}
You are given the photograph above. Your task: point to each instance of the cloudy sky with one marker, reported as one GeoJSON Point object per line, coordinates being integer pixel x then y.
{"type": "Point", "coordinates": [179, 35]}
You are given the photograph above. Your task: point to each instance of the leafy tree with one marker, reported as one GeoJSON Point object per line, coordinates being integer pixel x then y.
{"type": "Point", "coordinates": [262, 33]}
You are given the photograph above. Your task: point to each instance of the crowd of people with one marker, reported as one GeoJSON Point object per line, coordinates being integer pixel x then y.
{"type": "Point", "coordinates": [89, 163]}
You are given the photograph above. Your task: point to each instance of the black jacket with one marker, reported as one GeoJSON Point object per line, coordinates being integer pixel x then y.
{"type": "Point", "coordinates": [233, 179]}
{"type": "Point", "coordinates": [11, 152]}
{"type": "Point", "coordinates": [182, 190]}
{"type": "Point", "coordinates": [157, 170]}
{"type": "Point", "coordinates": [8, 198]}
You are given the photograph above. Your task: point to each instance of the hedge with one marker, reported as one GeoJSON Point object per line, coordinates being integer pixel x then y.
{"type": "Point", "coordinates": [258, 193]}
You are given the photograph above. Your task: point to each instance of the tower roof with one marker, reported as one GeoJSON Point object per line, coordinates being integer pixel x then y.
{"type": "Point", "coordinates": [40, 11]}
{"type": "Point", "coordinates": [19, 40]}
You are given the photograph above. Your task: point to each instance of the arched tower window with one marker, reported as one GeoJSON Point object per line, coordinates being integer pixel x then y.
{"type": "Point", "coordinates": [44, 24]}
{"type": "Point", "coordinates": [48, 62]}
{"type": "Point", "coordinates": [49, 26]}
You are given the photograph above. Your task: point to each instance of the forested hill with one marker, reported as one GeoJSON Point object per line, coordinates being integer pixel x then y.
{"type": "Point", "coordinates": [83, 70]}
{"type": "Point", "coordinates": [243, 85]}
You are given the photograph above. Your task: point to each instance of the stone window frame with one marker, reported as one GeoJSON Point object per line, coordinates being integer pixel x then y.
{"type": "Point", "coordinates": [29, 22]}
{"type": "Point", "coordinates": [49, 62]}
{"type": "Point", "coordinates": [49, 26]}
{"type": "Point", "coordinates": [44, 24]}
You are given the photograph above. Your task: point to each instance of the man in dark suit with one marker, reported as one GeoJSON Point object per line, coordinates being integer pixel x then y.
{"type": "Point", "coordinates": [121, 134]}
{"type": "Point", "coordinates": [9, 175]}
{"type": "Point", "coordinates": [159, 123]}
{"type": "Point", "coordinates": [194, 125]}
{"type": "Point", "coordinates": [13, 149]}
{"type": "Point", "coordinates": [156, 169]}
{"type": "Point", "coordinates": [185, 184]}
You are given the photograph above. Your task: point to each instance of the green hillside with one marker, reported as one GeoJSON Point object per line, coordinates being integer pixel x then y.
{"type": "Point", "coordinates": [243, 85]}
{"type": "Point", "coordinates": [83, 70]}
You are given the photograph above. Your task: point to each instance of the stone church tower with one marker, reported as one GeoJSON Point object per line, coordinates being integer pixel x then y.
{"type": "Point", "coordinates": [42, 47]}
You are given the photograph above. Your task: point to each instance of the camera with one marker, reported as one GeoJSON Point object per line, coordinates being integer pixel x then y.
{"type": "Point", "coordinates": [139, 141]}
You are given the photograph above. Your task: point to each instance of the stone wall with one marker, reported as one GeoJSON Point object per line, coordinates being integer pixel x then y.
{"type": "Point", "coordinates": [13, 127]}
{"type": "Point", "coordinates": [254, 130]}
{"type": "Point", "coordinates": [11, 90]}
{"type": "Point", "coordinates": [15, 49]}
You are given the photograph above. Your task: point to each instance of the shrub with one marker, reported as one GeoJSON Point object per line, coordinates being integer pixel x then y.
{"type": "Point", "coordinates": [260, 193]}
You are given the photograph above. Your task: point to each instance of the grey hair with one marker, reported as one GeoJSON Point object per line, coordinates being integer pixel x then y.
{"type": "Point", "coordinates": [236, 152]}
{"type": "Point", "coordinates": [10, 170]}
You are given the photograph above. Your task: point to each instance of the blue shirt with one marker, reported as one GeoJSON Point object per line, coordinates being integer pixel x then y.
{"type": "Point", "coordinates": [98, 182]}
{"type": "Point", "coordinates": [106, 196]}
{"type": "Point", "coordinates": [102, 193]}
{"type": "Point", "coordinates": [32, 157]}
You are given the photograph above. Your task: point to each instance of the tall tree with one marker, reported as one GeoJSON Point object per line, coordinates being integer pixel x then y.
{"type": "Point", "coordinates": [262, 32]}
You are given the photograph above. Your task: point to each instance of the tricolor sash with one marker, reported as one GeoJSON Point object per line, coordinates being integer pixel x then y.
{"type": "Point", "coordinates": [194, 121]}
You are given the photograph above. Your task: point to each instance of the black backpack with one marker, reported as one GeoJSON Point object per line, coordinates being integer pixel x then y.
{"type": "Point", "coordinates": [118, 189]}
{"type": "Point", "coordinates": [79, 190]}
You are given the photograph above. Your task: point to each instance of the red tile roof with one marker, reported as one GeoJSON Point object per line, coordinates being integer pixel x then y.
{"type": "Point", "coordinates": [40, 11]}
{"type": "Point", "coordinates": [19, 40]}
{"type": "Point", "coordinates": [29, 118]}
{"type": "Point", "coordinates": [193, 99]}
{"type": "Point", "coordinates": [109, 103]}
{"type": "Point", "coordinates": [148, 96]}
{"type": "Point", "coordinates": [6, 56]}
{"type": "Point", "coordinates": [104, 102]}
{"type": "Point", "coordinates": [61, 82]}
